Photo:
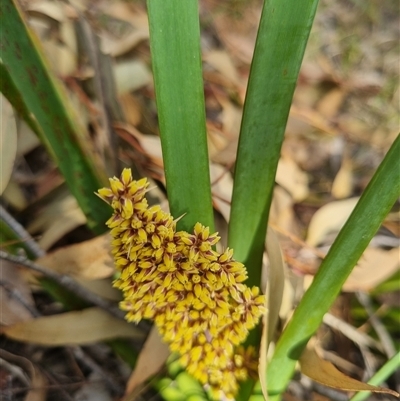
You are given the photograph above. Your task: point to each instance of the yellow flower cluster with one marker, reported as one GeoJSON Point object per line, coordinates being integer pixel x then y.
{"type": "Point", "coordinates": [195, 295]}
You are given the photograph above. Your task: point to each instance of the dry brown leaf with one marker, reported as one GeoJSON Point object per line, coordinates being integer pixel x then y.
{"type": "Point", "coordinates": [329, 105]}
{"type": "Point", "coordinates": [152, 358]}
{"type": "Point", "coordinates": [14, 294]}
{"type": "Point", "coordinates": [8, 142]}
{"type": "Point", "coordinates": [88, 260]}
{"type": "Point", "coordinates": [262, 361]}
{"type": "Point", "coordinates": [27, 139]}
{"type": "Point", "coordinates": [72, 328]}
{"type": "Point", "coordinates": [392, 223]}
{"type": "Point", "coordinates": [242, 48]}
{"type": "Point", "coordinates": [101, 287]}
{"type": "Point", "coordinates": [342, 186]}
{"type": "Point", "coordinates": [325, 373]}
{"type": "Point", "coordinates": [227, 155]}
{"type": "Point", "coordinates": [275, 280]}
{"type": "Point", "coordinates": [238, 34]}
{"type": "Point", "coordinates": [217, 143]}
{"type": "Point", "coordinates": [231, 118]}
{"type": "Point", "coordinates": [131, 75]}
{"type": "Point", "coordinates": [297, 126]}
{"type": "Point", "coordinates": [38, 392]}
{"type": "Point", "coordinates": [282, 213]}
{"type": "Point", "coordinates": [314, 119]}
{"type": "Point", "coordinates": [222, 62]}
{"type": "Point", "coordinates": [274, 284]}
{"type": "Point", "coordinates": [131, 12]}
{"type": "Point", "coordinates": [312, 73]}
{"type": "Point", "coordinates": [121, 45]}
{"type": "Point", "coordinates": [374, 267]}
{"type": "Point", "coordinates": [59, 217]}
{"type": "Point", "coordinates": [287, 305]}
{"type": "Point", "coordinates": [329, 218]}
{"type": "Point", "coordinates": [62, 58]}
{"type": "Point", "coordinates": [290, 177]}
{"type": "Point", "coordinates": [151, 145]}
{"type": "Point", "coordinates": [369, 82]}
{"type": "Point", "coordinates": [222, 185]}
{"type": "Point", "coordinates": [51, 9]}
{"type": "Point", "coordinates": [15, 196]}
{"type": "Point", "coordinates": [131, 108]}
{"type": "Point", "coordinates": [117, 47]}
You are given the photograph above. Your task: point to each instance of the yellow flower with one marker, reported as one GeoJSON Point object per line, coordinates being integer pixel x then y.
{"type": "Point", "coordinates": [194, 295]}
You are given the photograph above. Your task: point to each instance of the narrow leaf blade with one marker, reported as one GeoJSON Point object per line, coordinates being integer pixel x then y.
{"type": "Point", "coordinates": [281, 41]}
{"type": "Point", "coordinates": [46, 107]}
{"type": "Point", "coordinates": [176, 60]}
{"type": "Point", "coordinates": [363, 223]}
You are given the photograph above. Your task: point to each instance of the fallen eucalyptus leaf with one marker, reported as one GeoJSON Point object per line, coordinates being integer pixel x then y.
{"type": "Point", "coordinates": [72, 328]}
{"type": "Point", "coordinates": [151, 359]}
{"type": "Point", "coordinates": [325, 373]}
{"type": "Point", "coordinates": [374, 267]}
{"type": "Point", "coordinates": [329, 218]}
{"type": "Point", "coordinates": [87, 260]}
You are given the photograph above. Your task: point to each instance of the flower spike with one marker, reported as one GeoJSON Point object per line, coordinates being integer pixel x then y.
{"type": "Point", "coordinates": [195, 295]}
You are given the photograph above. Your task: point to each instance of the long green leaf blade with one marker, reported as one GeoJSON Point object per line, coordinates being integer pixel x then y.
{"type": "Point", "coordinates": [282, 37]}
{"type": "Point", "coordinates": [281, 40]}
{"type": "Point", "coordinates": [176, 60]}
{"type": "Point", "coordinates": [370, 211]}
{"type": "Point", "coordinates": [15, 98]}
{"type": "Point", "coordinates": [51, 116]}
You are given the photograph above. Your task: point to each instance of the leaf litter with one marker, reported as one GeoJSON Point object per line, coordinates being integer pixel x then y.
{"type": "Point", "coordinates": [341, 122]}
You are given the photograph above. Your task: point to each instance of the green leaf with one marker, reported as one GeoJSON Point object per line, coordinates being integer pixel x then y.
{"type": "Point", "coordinates": [280, 45]}
{"type": "Point", "coordinates": [370, 211]}
{"type": "Point", "coordinates": [281, 41]}
{"type": "Point", "coordinates": [15, 98]}
{"type": "Point", "coordinates": [176, 60]}
{"type": "Point", "coordinates": [34, 92]}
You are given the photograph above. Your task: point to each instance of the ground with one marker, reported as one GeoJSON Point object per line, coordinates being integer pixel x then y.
{"type": "Point", "coordinates": [344, 117]}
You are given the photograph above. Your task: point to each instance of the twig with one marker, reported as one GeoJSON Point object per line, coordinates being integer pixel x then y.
{"type": "Point", "coordinates": [330, 393]}
{"type": "Point", "coordinates": [104, 87]}
{"type": "Point", "coordinates": [20, 231]}
{"type": "Point", "coordinates": [94, 367]}
{"type": "Point", "coordinates": [298, 241]}
{"type": "Point", "coordinates": [380, 329]}
{"type": "Point", "coordinates": [61, 279]}
{"type": "Point", "coordinates": [15, 371]}
{"type": "Point", "coordinates": [384, 336]}
{"type": "Point", "coordinates": [16, 294]}
{"type": "Point", "coordinates": [77, 351]}
{"type": "Point", "coordinates": [370, 362]}
{"type": "Point", "coordinates": [342, 363]}
{"type": "Point", "coordinates": [350, 332]}
{"type": "Point", "coordinates": [67, 282]}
